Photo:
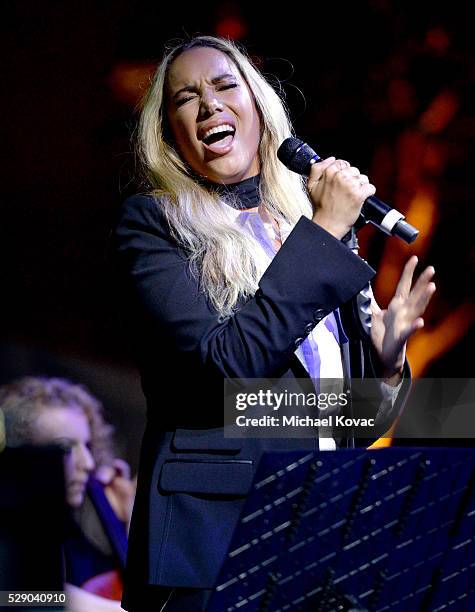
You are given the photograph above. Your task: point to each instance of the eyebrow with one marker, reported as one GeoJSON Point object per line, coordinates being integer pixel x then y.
{"type": "Point", "coordinates": [214, 81]}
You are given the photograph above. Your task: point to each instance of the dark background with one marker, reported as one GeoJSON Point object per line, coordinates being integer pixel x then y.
{"type": "Point", "coordinates": [383, 84]}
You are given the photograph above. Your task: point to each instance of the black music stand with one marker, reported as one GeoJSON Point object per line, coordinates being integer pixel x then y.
{"type": "Point", "coordinates": [32, 512]}
{"type": "Point", "coordinates": [383, 530]}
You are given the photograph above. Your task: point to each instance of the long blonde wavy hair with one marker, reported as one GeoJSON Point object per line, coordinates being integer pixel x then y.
{"type": "Point", "coordinates": [221, 253]}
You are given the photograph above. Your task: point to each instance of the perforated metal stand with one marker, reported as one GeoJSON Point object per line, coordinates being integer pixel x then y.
{"type": "Point", "coordinates": [385, 530]}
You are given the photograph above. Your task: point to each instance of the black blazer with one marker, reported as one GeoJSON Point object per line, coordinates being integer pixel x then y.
{"type": "Point", "coordinates": [192, 480]}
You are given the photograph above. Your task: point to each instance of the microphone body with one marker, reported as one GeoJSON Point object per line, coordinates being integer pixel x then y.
{"type": "Point", "coordinates": [299, 157]}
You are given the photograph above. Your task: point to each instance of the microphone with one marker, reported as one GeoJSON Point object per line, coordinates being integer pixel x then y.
{"type": "Point", "coordinates": [299, 157]}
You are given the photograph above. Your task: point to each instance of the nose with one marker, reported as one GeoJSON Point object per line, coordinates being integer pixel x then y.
{"type": "Point", "coordinates": [210, 104]}
{"type": "Point", "coordinates": [84, 458]}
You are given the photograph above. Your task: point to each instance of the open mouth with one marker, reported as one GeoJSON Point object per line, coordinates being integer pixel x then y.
{"type": "Point", "coordinates": [219, 138]}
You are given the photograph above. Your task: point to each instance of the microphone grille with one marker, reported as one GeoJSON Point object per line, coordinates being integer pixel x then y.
{"type": "Point", "coordinates": [296, 155]}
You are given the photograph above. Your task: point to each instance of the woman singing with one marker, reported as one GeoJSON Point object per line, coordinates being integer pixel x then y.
{"type": "Point", "coordinates": [231, 266]}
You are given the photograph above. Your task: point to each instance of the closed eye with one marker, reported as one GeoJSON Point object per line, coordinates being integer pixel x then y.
{"type": "Point", "coordinates": [182, 101]}
{"type": "Point", "coordinates": [228, 86]}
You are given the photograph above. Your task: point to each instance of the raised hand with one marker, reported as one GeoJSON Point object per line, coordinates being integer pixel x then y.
{"type": "Point", "coordinates": [118, 487]}
{"type": "Point", "coordinates": [392, 327]}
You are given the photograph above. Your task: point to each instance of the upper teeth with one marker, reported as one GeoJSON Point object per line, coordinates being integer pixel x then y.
{"type": "Point", "coordinates": [225, 127]}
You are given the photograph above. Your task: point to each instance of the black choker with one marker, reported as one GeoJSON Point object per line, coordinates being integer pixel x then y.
{"type": "Point", "coordinates": [242, 195]}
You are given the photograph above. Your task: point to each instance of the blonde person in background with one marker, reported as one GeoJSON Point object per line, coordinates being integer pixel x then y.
{"type": "Point", "coordinates": [45, 411]}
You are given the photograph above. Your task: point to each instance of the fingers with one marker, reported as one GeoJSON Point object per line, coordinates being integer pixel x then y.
{"type": "Point", "coordinates": [337, 191]}
{"type": "Point", "coordinates": [122, 468]}
{"type": "Point", "coordinates": [415, 326]}
{"type": "Point", "coordinates": [405, 282]}
{"type": "Point", "coordinates": [421, 295]}
{"type": "Point", "coordinates": [366, 188]}
{"type": "Point", "coordinates": [107, 473]}
{"type": "Point", "coordinates": [366, 191]}
{"type": "Point", "coordinates": [327, 169]}
{"type": "Point", "coordinates": [423, 280]}
{"type": "Point", "coordinates": [340, 167]}
{"type": "Point", "coordinates": [423, 286]}
{"type": "Point", "coordinates": [341, 170]}
{"type": "Point", "coordinates": [317, 170]}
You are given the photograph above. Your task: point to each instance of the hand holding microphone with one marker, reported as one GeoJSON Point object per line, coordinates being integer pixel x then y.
{"type": "Point", "coordinates": [341, 194]}
{"type": "Point", "coordinates": [337, 191]}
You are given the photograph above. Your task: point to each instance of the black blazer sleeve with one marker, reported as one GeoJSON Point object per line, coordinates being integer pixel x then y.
{"type": "Point", "coordinates": [312, 274]}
